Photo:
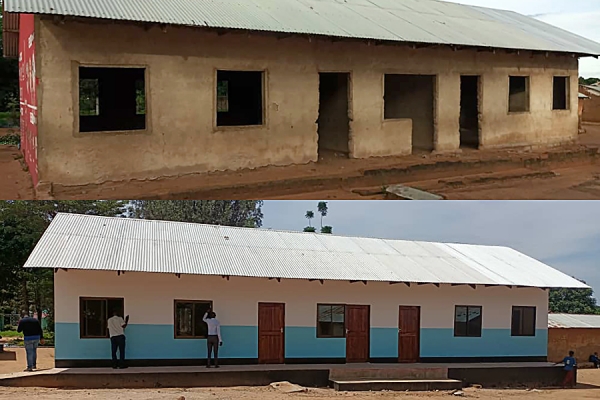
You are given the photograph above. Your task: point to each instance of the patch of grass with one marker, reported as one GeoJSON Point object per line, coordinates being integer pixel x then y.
{"type": "Point", "coordinates": [10, 334]}
{"type": "Point", "coordinates": [12, 139]}
{"type": "Point", "coordinates": [16, 339]}
{"type": "Point", "coordinates": [8, 119]}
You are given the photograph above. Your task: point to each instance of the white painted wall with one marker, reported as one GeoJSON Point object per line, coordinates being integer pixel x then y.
{"type": "Point", "coordinates": [149, 298]}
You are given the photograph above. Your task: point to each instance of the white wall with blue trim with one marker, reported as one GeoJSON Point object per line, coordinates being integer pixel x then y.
{"type": "Point", "coordinates": [149, 300]}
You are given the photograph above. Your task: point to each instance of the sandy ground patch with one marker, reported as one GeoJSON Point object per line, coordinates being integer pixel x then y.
{"type": "Point", "coordinates": [45, 360]}
{"type": "Point", "coordinates": [588, 388]}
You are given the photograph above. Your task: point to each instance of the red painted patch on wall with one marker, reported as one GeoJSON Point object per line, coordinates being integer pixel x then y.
{"type": "Point", "coordinates": [28, 83]}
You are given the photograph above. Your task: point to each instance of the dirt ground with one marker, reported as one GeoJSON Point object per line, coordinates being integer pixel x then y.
{"type": "Point", "coordinates": [16, 182]}
{"type": "Point", "coordinates": [569, 173]}
{"type": "Point", "coordinates": [589, 388]}
{"type": "Point", "coordinates": [45, 360]}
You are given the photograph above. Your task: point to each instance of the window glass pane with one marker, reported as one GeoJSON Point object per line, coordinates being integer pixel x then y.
{"type": "Point", "coordinates": [325, 329]}
{"type": "Point", "coordinates": [95, 317]}
{"type": "Point", "coordinates": [324, 313]}
{"type": "Point", "coordinates": [516, 321]}
{"type": "Point", "coordinates": [183, 319]}
{"type": "Point", "coordinates": [528, 328]}
{"type": "Point", "coordinates": [474, 324]}
{"type": "Point", "coordinates": [338, 313]}
{"type": "Point", "coordinates": [460, 329]}
{"type": "Point", "coordinates": [200, 327]}
{"type": "Point", "coordinates": [114, 304]}
{"type": "Point", "coordinates": [339, 329]}
{"type": "Point", "coordinates": [460, 314]}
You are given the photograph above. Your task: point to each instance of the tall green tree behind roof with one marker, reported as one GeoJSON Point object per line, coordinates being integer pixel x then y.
{"type": "Point", "coordinates": [242, 213]}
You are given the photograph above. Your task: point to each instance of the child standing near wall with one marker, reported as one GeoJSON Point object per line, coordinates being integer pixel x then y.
{"type": "Point", "coordinates": [570, 365]}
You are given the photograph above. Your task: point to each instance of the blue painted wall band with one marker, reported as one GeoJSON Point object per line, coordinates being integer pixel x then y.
{"type": "Point", "coordinates": [157, 342]}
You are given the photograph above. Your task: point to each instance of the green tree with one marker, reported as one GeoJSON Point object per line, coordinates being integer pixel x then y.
{"type": "Point", "coordinates": [573, 301]}
{"type": "Point", "coordinates": [22, 223]}
{"type": "Point", "coordinates": [309, 216]}
{"type": "Point", "coordinates": [9, 76]}
{"type": "Point", "coordinates": [588, 81]}
{"type": "Point", "coordinates": [327, 229]}
{"type": "Point", "coordinates": [243, 213]}
{"type": "Point", "coordinates": [322, 209]}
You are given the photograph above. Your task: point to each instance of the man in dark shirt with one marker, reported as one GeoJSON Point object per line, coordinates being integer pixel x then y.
{"type": "Point", "coordinates": [33, 336]}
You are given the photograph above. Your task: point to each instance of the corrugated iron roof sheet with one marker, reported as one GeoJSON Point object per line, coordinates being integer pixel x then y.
{"type": "Point", "coordinates": [414, 21]}
{"type": "Point", "coordinates": [594, 90]}
{"type": "Point", "coordinates": [583, 96]}
{"type": "Point", "coordinates": [119, 244]}
{"type": "Point", "coordinates": [573, 321]}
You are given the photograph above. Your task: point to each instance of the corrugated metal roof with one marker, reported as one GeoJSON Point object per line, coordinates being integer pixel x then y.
{"type": "Point", "coordinates": [573, 321]}
{"type": "Point", "coordinates": [583, 96]}
{"type": "Point", "coordinates": [414, 21]}
{"type": "Point", "coordinates": [595, 90]}
{"type": "Point", "coordinates": [119, 244]}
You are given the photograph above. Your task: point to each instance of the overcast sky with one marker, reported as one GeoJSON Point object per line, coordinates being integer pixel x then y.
{"type": "Point", "coordinates": [565, 235]}
{"type": "Point", "coordinates": [578, 16]}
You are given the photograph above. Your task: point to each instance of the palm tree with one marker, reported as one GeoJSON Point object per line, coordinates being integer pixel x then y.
{"type": "Point", "coordinates": [309, 215]}
{"type": "Point", "coordinates": [322, 207]}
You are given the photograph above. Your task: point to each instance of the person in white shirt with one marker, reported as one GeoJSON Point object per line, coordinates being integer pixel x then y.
{"type": "Point", "coordinates": [213, 340]}
{"type": "Point", "coordinates": [116, 331]}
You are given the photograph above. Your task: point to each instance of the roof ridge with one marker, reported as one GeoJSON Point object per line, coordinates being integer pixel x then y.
{"type": "Point", "coordinates": [318, 234]}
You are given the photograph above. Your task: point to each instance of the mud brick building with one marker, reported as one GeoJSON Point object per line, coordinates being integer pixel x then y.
{"type": "Point", "coordinates": [580, 333]}
{"type": "Point", "coordinates": [137, 89]}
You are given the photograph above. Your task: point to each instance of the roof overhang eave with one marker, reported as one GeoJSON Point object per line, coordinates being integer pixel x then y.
{"type": "Point", "coordinates": [61, 19]}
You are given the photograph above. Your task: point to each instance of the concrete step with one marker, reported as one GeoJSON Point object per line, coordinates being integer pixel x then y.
{"type": "Point", "coordinates": [377, 373]}
{"type": "Point", "coordinates": [396, 385]}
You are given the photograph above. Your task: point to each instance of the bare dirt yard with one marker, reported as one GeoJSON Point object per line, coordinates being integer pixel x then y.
{"type": "Point", "coordinates": [45, 360]}
{"type": "Point", "coordinates": [568, 173]}
{"type": "Point", "coordinates": [589, 388]}
{"type": "Point", "coordinates": [15, 182]}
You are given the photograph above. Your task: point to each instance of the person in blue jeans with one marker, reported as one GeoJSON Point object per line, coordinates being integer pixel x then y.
{"type": "Point", "coordinates": [33, 337]}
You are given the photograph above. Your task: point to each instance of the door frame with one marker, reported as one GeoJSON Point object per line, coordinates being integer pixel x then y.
{"type": "Point", "coordinates": [418, 334]}
{"type": "Point", "coordinates": [282, 330]}
{"type": "Point", "coordinates": [368, 306]}
{"type": "Point", "coordinates": [479, 108]}
{"type": "Point", "coordinates": [349, 98]}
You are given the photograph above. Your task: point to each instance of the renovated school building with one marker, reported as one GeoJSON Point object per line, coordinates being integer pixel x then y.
{"type": "Point", "coordinates": [289, 297]}
{"type": "Point", "coordinates": [130, 90]}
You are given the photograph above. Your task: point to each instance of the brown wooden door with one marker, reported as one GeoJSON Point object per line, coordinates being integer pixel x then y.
{"type": "Point", "coordinates": [409, 329]}
{"type": "Point", "coordinates": [271, 323]}
{"type": "Point", "coordinates": [357, 333]}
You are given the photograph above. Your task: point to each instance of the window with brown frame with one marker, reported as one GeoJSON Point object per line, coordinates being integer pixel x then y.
{"type": "Point", "coordinates": [523, 321]}
{"type": "Point", "coordinates": [94, 313]}
{"type": "Point", "coordinates": [467, 321]}
{"type": "Point", "coordinates": [188, 319]}
{"type": "Point", "coordinates": [331, 321]}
